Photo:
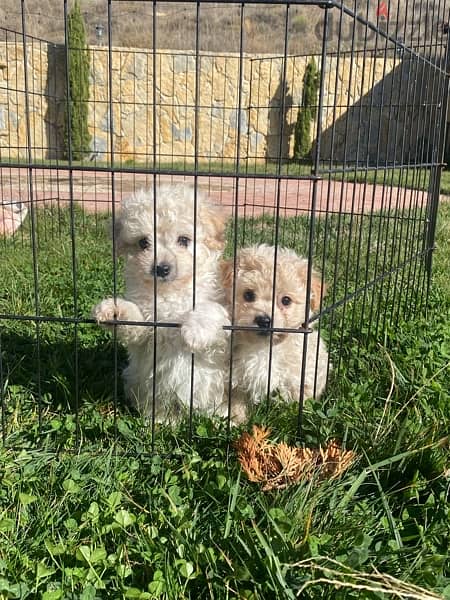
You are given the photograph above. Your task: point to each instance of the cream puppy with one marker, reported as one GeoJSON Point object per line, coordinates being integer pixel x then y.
{"type": "Point", "coordinates": [156, 236]}
{"type": "Point", "coordinates": [253, 308]}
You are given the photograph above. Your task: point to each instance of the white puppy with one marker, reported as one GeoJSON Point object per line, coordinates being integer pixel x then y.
{"type": "Point", "coordinates": [12, 215]}
{"type": "Point", "coordinates": [253, 308]}
{"type": "Point", "coordinates": [158, 375]}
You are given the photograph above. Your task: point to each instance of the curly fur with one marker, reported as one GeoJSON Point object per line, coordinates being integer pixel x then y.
{"type": "Point", "coordinates": [168, 359]}
{"type": "Point", "coordinates": [12, 215]}
{"type": "Point", "coordinates": [251, 349]}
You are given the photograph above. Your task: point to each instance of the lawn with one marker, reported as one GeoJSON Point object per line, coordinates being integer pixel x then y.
{"type": "Point", "coordinates": [93, 507]}
{"type": "Point", "coordinates": [410, 177]}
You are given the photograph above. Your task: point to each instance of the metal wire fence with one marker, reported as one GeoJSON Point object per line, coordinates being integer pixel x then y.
{"type": "Point", "coordinates": [357, 210]}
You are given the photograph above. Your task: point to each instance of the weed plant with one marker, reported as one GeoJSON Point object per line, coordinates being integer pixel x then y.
{"type": "Point", "coordinates": [96, 505]}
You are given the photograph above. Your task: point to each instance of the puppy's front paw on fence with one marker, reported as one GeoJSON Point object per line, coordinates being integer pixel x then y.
{"type": "Point", "coordinates": [106, 310]}
{"type": "Point", "coordinates": [202, 328]}
{"type": "Point", "coordinates": [196, 334]}
{"type": "Point", "coordinates": [118, 310]}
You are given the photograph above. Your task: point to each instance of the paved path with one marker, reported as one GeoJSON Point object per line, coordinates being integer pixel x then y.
{"type": "Point", "coordinates": [94, 192]}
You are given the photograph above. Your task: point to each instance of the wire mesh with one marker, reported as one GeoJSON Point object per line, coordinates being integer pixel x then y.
{"type": "Point", "coordinates": [359, 205]}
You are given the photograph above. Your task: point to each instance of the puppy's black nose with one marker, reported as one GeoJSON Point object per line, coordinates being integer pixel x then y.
{"type": "Point", "coordinates": [263, 321]}
{"type": "Point", "coordinates": [162, 270]}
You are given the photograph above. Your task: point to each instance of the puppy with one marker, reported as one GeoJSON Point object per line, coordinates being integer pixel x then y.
{"type": "Point", "coordinates": [253, 308]}
{"type": "Point", "coordinates": [12, 215]}
{"type": "Point", "coordinates": [156, 236]}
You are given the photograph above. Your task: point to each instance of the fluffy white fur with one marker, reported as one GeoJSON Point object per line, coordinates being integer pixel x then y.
{"type": "Point", "coordinates": [170, 279]}
{"type": "Point", "coordinates": [251, 348]}
{"type": "Point", "coordinates": [12, 215]}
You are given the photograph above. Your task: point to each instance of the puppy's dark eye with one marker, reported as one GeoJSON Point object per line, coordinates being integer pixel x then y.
{"type": "Point", "coordinates": [249, 296]}
{"type": "Point", "coordinates": [285, 301]}
{"type": "Point", "coordinates": [183, 240]}
{"type": "Point", "coordinates": [144, 243]}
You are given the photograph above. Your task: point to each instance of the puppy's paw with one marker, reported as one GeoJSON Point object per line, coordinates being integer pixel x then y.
{"type": "Point", "coordinates": [196, 335]}
{"type": "Point", "coordinates": [238, 413]}
{"type": "Point", "coordinates": [120, 310]}
{"type": "Point", "coordinates": [202, 327]}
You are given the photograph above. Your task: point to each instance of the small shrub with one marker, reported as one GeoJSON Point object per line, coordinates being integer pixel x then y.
{"type": "Point", "coordinates": [307, 112]}
{"type": "Point", "coordinates": [77, 139]}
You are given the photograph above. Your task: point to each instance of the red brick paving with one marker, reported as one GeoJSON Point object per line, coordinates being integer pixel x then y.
{"type": "Point", "coordinates": [93, 191]}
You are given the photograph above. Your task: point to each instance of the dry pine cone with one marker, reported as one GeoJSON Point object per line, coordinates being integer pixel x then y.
{"type": "Point", "coordinates": [278, 465]}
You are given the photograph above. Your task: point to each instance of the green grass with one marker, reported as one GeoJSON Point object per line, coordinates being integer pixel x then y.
{"type": "Point", "coordinates": [104, 518]}
{"type": "Point", "coordinates": [204, 165]}
{"type": "Point", "coordinates": [409, 178]}
{"type": "Point", "coordinates": [414, 178]}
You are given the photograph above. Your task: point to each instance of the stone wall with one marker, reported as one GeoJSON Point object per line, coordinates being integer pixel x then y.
{"type": "Point", "coordinates": [175, 107]}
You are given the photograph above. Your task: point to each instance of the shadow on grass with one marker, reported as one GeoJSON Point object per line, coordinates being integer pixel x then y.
{"type": "Point", "coordinates": [58, 390]}
{"type": "Point", "coordinates": [62, 373]}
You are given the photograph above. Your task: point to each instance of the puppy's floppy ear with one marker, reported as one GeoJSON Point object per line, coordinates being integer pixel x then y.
{"type": "Point", "coordinates": [213, 219]}
{"type": "Point", "coordinates": [226, 273]}
{"type": "Point", "coordinates": [317, 291]}
{"type": "Point", "coordinates": [116, 229]}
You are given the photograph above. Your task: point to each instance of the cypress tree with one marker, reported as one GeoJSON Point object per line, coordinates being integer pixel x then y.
{"type": "Point", "coordinates": [76, 124]}
{"type": "Point", "coordinates": [307, 112]}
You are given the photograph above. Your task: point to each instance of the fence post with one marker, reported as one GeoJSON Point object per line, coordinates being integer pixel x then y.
{"type": "Point", "coordinates": [435, 178]}
{"type": "Point", "coordinates": [315, 182]}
